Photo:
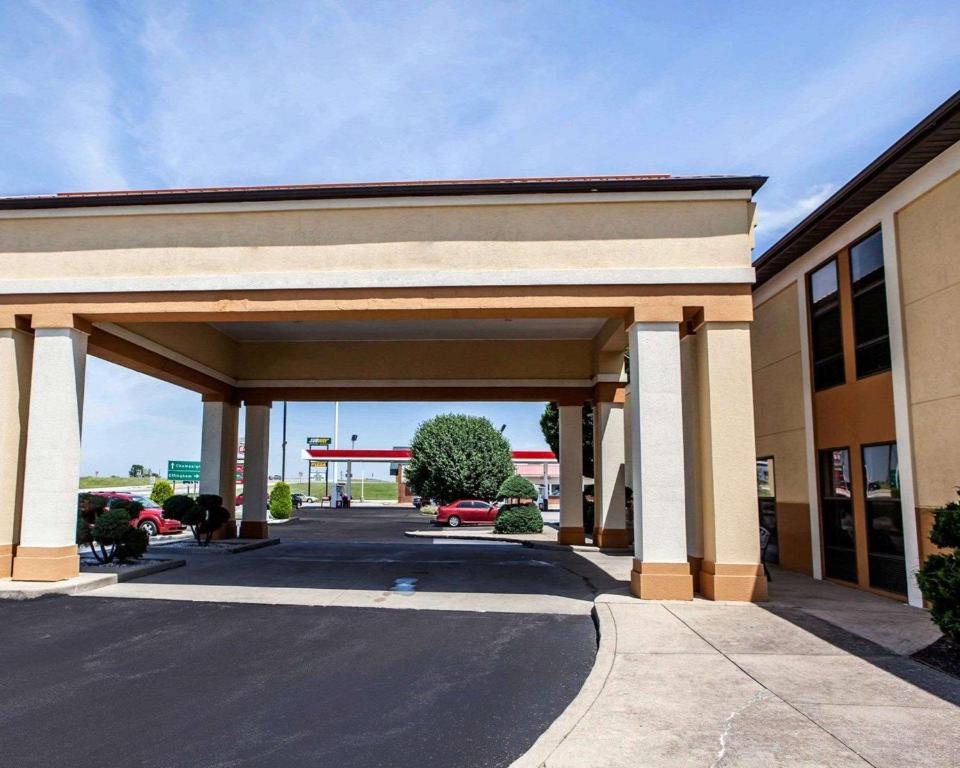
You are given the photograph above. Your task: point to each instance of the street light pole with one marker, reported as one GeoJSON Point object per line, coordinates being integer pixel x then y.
{"type": "Point", "coordinates": [283, 458]}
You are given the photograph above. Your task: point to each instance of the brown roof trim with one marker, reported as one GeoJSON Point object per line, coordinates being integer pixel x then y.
{"type": "Point", "coordinates": [650, 183]}
{"type": "Point", "coordinates": [931, 136]}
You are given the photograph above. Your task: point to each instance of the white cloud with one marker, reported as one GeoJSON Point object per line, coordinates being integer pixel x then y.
{"type": "Point", "coordinates": [777, 220]}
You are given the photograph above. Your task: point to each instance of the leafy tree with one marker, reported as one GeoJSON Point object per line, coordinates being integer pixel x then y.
{"type": "Point", "coordinates": [137, 470]}
{"type": "Point", "coordinates": [524, 518]}
{"type": "Point", "coordinates": [550, 426]}
{"type": "Point", "coordinates": [107, 529]}
{"type": "Point", "coordinates": [454, 456]}
{"type": "Point", "coordinates": [939, 576]}
{"type": "Point", "coordinates": [205, 515]}
{"type": "Point", "coordinates": [281, 501]}
{"type": "Point", "coordinates": [161, 491]}
{"type": "Point", "coordinates": [515, 488]}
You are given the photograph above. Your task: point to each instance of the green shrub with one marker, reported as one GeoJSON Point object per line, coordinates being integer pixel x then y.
{"type": "Point", "coordinates": [204, 515]}
{"type": "Point", "coordinates": [521, 518]}
{"type": "Point", "coordinates": [281, 501]}
{"type": "Point", "coordinates": [428, 509]}
{"type": "Point", "coordinates": [515, 488]}
{"type": "Point", "coordinates": [939, 576]}
{"type": "Point", "coordinates": [161, 491]}
{"type": "Point", "coordinates": [113, 538]}
{"type": "Point", "coordinates": [183, 508]}
{"type": "Point", "coordinates": [454, 456]}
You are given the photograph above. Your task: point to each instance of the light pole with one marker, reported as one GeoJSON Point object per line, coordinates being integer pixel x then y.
{"type": "Point", "coordinates": [283, 458]}
{"type": "Point", "coordinates": [353, 445]}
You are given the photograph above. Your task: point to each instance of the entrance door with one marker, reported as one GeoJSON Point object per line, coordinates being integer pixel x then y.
{"type": "Point", "coordinates": [884, 515]}
{"type": "Point", "coordinates": [836, 515]}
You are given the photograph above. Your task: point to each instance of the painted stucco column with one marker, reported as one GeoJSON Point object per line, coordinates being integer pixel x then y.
{"type": "Point", "coordinates": [16, 354]}
{"type": "Point", "coordinates": [609, 527]}
{"type": "Point", "coordinates": [48, 531]}
{"type": "Point", "coordinates": [731, 530]}
{"type": "Point", "coordinates": [660, 567]}
{"type": "Point", "coordinates": [691, 455]}
{"type": "Point", "coordinates": [571, 474]}
{"type": "Point", "coordinates": [218, 457]}
{"type": "Point", "coordinates": [256, 451]}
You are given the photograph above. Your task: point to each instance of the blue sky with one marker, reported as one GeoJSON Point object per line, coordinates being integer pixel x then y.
{"type": "Point", "coordinates": [105, 95]}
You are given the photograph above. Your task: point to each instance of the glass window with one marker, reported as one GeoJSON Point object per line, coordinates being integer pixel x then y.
{"type": "Point", "coordinates": [881, 476]}
{"type": "Point", "coordinates": [836, 515]}
{"type": "Point", "coordinates": [766, 493]}
{"type": "Point", "coordinates": [825, 327]}
{"type": "Point", "coordinates": [870, 327]}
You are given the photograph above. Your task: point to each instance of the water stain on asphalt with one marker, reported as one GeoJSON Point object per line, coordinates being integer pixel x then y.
{"type": "Point", "coordinates": [404, 586]}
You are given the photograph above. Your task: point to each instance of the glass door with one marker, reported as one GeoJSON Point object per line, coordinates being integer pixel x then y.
{"type": "Point", "coordinates": [836, 515]}
{"type": "Point", "coordinates": [884, 514]}
{"type": "Point", "coordinates": [767, 500]}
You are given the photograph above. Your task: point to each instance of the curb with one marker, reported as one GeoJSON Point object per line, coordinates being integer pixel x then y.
{"type": "Point", "coordinates": [256, 544]}
{"type": "Point", "coordinates": [147, 568]}
{"type": "Point", "coordinates": [551, 739]}
{"type": "Point", "coordinates": [532, 544]}
{"type": "Point", "coordinates": [31, 590]}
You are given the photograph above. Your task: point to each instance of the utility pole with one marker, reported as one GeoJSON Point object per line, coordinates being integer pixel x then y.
{"type": "Point", "coordinates": [283, 458]}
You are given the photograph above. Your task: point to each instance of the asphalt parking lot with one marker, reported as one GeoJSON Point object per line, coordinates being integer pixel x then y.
{"type": "Point", "coordinates": [201, 682]}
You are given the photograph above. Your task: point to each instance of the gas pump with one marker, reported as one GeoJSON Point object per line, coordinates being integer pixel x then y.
{"type": "Point", "coordinates": [338, 496]}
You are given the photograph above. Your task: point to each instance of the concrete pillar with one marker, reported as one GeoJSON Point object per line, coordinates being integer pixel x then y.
{"type": "Point", "coordinates": [609, 528]}
{"type": "Point", "coordinates": [691, 455]}
{"type": "Point", "coordinates": [660, 567]}
{"type": "Point", "coordinates": [571, 474]}
{"type": "Point", "coordinates": [48, 532]}
{"type": "Point", "coordinates": [218, 457]}
{"type": "Point", "coordinates": [16, 352]}
{"type": "Point", "coordinates": [731, 532]}
{"type": "Point", "coordinates": [256, 451]}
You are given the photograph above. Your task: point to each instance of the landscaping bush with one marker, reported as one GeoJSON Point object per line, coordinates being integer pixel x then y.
{"type": "Point", "coordinates": [204, 515]}
{"type": "Point", "coordinates": [458, 457]}
{"type": "Point", "coordinates": [281, 501]}
{"type": "Point", "coordinates": [108, 531]}
{"type": "Point", "coordinates": [939, 576]}
{"type": "Point", "coordinates": [161, 491]}
{"type": "Point", "coordinates": [521, 518]}
{"type": "Point", "coordinates": [428, 509]}
{"type": "Point", "coordinates": [515, 488]}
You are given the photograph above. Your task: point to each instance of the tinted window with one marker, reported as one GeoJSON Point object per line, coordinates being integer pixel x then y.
{"type": "Point", "coordinates": [836, 516]}
{"type": "Point", "coordinates": [881, 474]}
{"type": "Point", "coordinates": [766, 493]}
{"type": "Point", "coordinates": [825, 327]}
{"type": "Point", "coordinates": [871, 332]}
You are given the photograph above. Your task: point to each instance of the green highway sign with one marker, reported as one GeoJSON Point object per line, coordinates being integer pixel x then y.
{"type": "Point", "coordinates": [184, 471]}
{"type": "Point", "coordinates": [319, 440]}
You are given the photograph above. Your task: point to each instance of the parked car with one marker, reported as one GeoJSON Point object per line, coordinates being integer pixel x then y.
{"type": "Point", "coordinates": [298, 500]}
{"type": "Point", "coordinates": [151, 519]}
{"type": "Point", "coordinates": [467, 512]}
{"type": "Point", "coordinates": [240, 499]}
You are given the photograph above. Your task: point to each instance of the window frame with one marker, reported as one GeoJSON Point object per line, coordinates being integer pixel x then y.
{"type": "Point", "coordinates": [853, 306]}
{"type": "Point", "coordinates": [811, 317]}
{"type": "Point", "coordinates": [867, 522]}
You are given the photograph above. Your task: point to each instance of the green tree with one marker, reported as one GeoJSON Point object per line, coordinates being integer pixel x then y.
{"type": "Point", "coordinates": [939, 576]}
{"type": "Point", "coordinates": [550, 426]}
{"type": "Point", "coordinates": [137, 470]}
{"type": "Point", "coordinates": [454, 456]}
{"type": "Point", "coordinates": [161, 491]}
{"type": "Point", "coordinates": [515, 488]}
{"type": "Point", "coordinates": [281, 501]}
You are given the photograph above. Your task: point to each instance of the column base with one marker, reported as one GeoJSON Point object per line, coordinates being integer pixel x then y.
{"type": "Point", "coordinates": [46, 563]}
{"type": "Point", "coordinates": [254, 529]}
{"type": "Point", "coordinates": [6, 561]}
{"type": "Point", "coordinates": [696, 565]}
{"type": "Point", "coordinates": [661, 581]}
{"type": "Point", "coordinates": [611, 538]}
{"type": "Point", "coordinates": [572, 535]}
{"type": "Point", "coordinates": [227, 531]}
{"type": "Point", "coordinates": [733, 581]}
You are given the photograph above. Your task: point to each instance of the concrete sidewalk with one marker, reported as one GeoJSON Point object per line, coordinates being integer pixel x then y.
{"type": "Point", "coordinates": [815, 677]}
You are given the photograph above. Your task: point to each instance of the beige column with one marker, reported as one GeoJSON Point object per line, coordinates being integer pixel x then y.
{"type": "Point", "coordinates": [660, 567]}
{"type": "Point", "coordinates": [48, 533]}
{"type": "Point", "coordinates": [571, 474]}
{"type": "Point", "coordinates": [256, 451]}
{"type": "Point", "coordinates": [731, 538]}
{"type": "Point", "coordinates": [610, 526]}
{"type": "Point", "coordinates": [691, 455]}
{"type": "Point", "coordinates": [16, 351]}
{"type": "Point", "coordinates": [218, 456]}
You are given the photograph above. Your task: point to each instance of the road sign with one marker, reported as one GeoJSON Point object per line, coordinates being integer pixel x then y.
{"type": "Point", "coordinates": [318, 465]}
{"type": "Point", "coordinates": [319, 440]}
{"type": "Point", "coordinates": [184, 471]}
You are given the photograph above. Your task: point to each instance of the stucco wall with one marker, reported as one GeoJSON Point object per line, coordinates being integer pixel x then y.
{"type": "Point", "coordinates": [612, 235]}
{"type": "Point", "coordinates": [928, 233]}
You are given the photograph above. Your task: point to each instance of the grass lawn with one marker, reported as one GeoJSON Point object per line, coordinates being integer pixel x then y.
{"type": "Point", "coordinates": [110, 481]}
{"type": "Point", "coordinates": [373, 490]}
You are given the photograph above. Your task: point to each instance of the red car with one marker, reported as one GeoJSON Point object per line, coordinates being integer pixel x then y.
{"type": "Point", "coordinates": [151, 519]}
{"type": "Point", "coordinates": [467, 512]}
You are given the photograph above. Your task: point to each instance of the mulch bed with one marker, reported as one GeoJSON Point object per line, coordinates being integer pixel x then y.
{"type": "Point", "coordinates": [943, 655]}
